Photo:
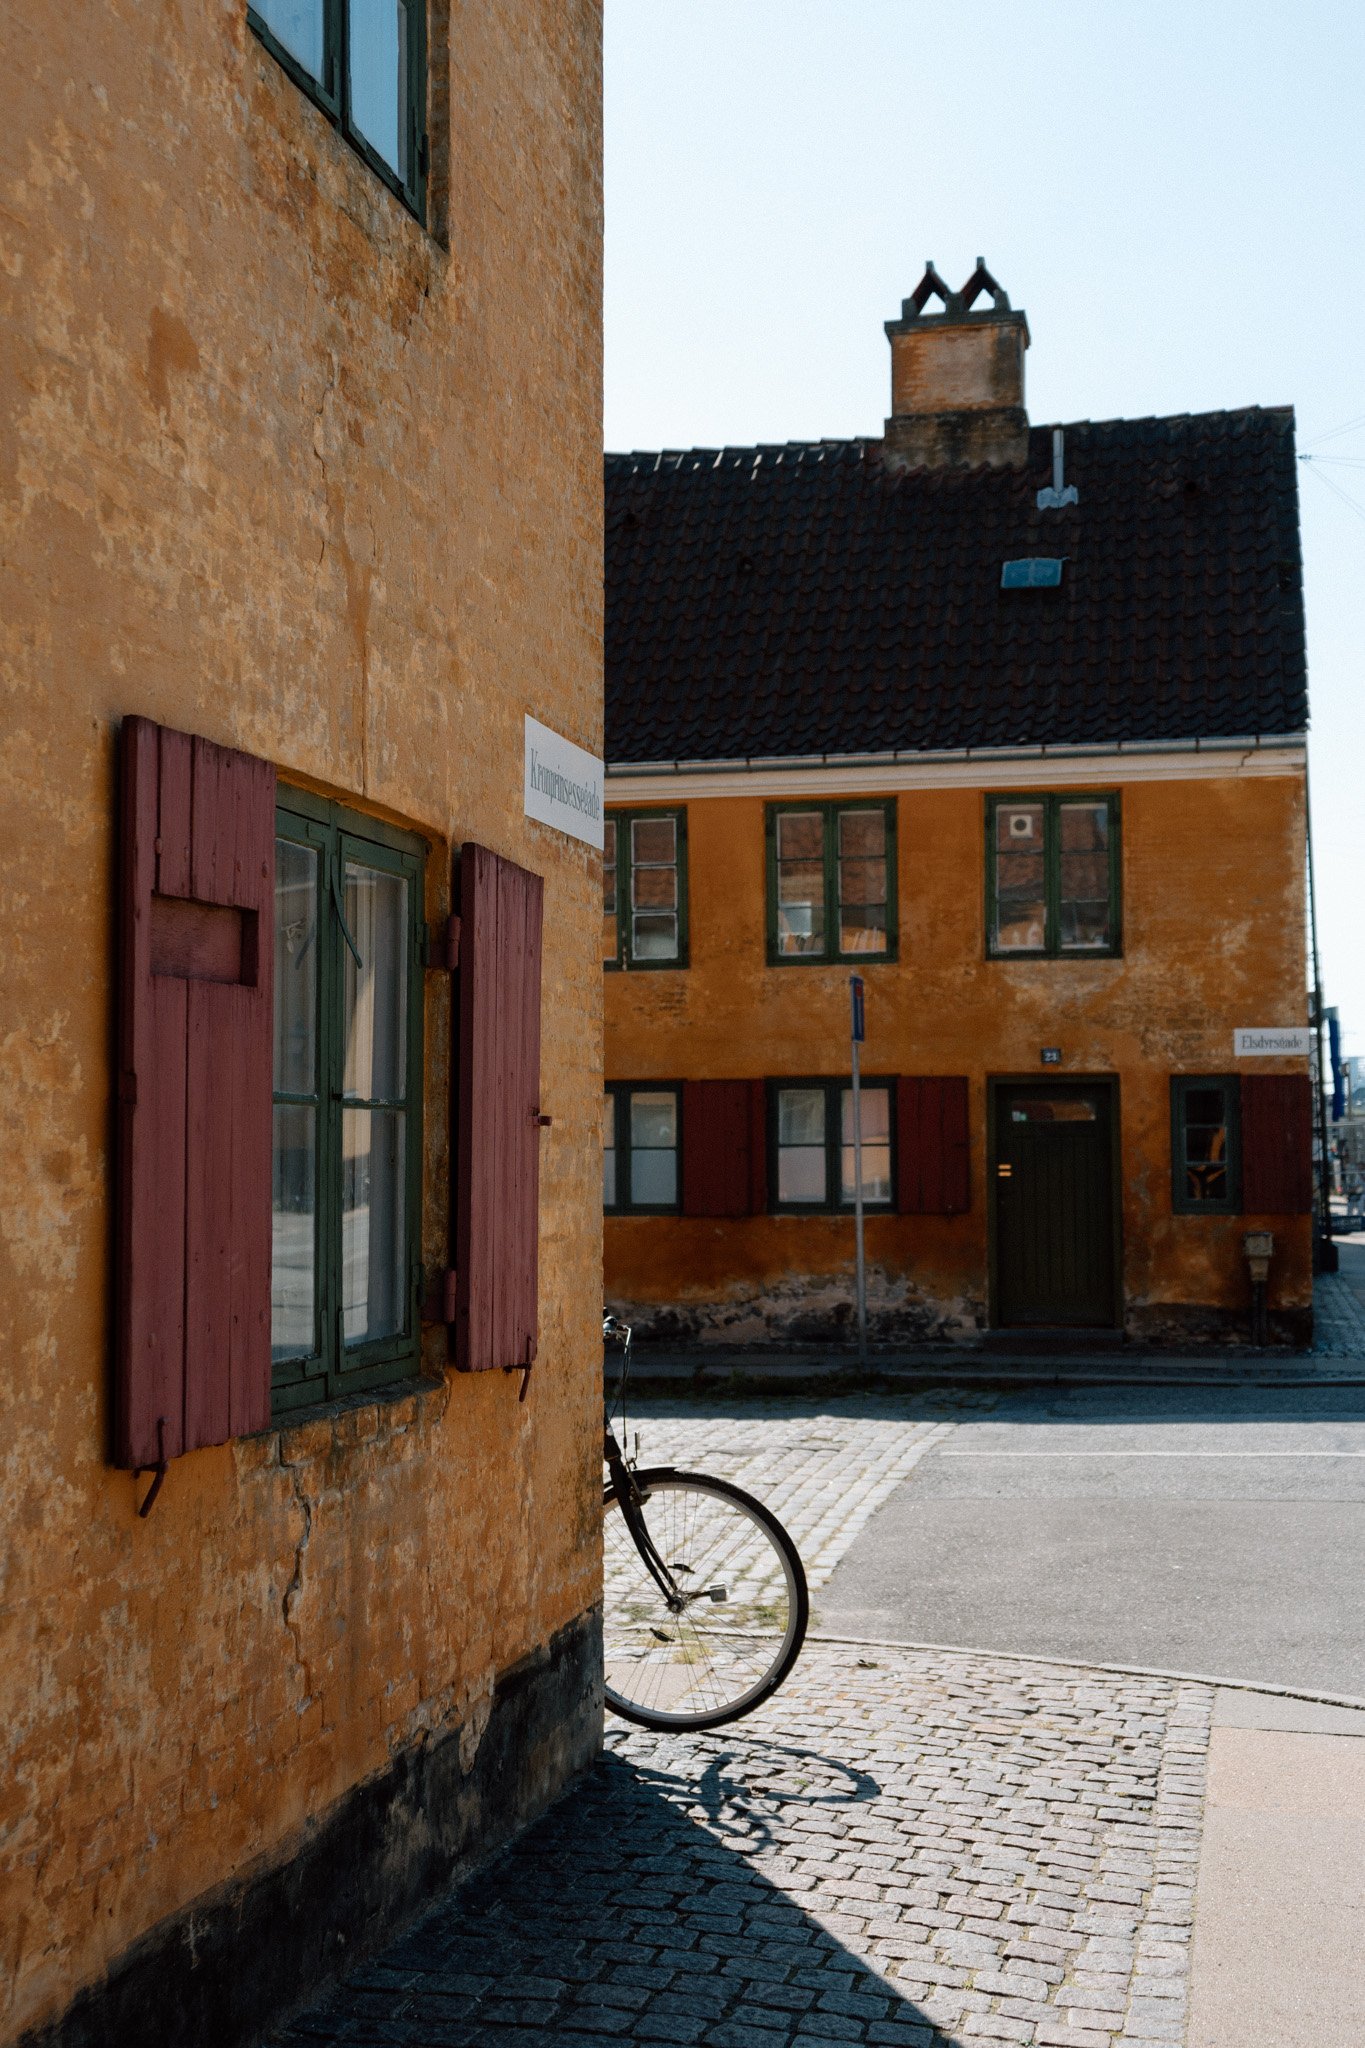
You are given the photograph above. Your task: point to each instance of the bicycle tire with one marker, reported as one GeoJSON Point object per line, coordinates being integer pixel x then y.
{"type": "Point", "coordinates": [708, 1671]}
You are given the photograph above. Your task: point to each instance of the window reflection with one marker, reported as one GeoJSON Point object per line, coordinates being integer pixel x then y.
{"type": "Point", "coordinates": [800, 882]}
{"type": "Point", "coordinates": [653, 1148]}
{"type": "Point", "coordinates": [378, 82]}
{"type": "Point", "coordinates": [801, 1164]}
{"type": "Point", "coordinates": [875, 1105]}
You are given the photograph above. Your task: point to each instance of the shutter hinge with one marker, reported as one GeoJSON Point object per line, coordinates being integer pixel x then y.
{"type": "Point", "coordinates": [127, 1086]}
{"type": "Point", "coordinates": [531, 1348]}
{"type": "Point", "coordinates": [543, 1121]}
{"type": "Point", "coordinates": [441, 946]}
{"type": "Point", "coordinates": [159, 1468]}
{"type": "Point", "coordinates": [440, 1295]}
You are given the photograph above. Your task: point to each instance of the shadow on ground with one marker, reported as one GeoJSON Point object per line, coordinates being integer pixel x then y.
{"type": "Point", "coordinates": [632, 1912]}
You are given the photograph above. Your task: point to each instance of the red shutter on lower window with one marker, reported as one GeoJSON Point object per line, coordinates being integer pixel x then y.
{"type": "Point", "coordinates": [720, 1132]}
{"type": "Point", "coordinates": [1277, 1144]}
{"type": "Point", "coordinates": [758, 1148]}
{"type": "Point", "coordinates": [195, 1051]}
{"type": "Point", "coordinates": [933, 1145]}
{"type": "Point", "coordinates": [496, 1145]}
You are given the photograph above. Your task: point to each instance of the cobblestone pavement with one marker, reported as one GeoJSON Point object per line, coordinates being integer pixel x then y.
{"type": "Point", "coordinates": [1338, 1318]}
{"type": "Point", "coordinates": [823, 1470]}
{"type": "Point", "coordinates": [903, 1849]}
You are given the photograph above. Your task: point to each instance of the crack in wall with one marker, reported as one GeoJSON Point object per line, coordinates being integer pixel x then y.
{"type": "Point", "coordinates": [294, 1589]}
{"type": "Point", "coordinates": [321, 459]}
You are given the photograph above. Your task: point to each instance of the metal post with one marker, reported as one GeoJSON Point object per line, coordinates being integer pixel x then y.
{"type": "Point", "coordinates": [855, 990]}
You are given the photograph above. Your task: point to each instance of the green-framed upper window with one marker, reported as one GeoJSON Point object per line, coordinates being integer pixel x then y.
{"type": "Point", "coordinates": [644, 889]}
{"type": "Point", "coordinates": [831, 881]}
{"type": "Point", "coordinates": [346, 1211]}
{"type": "Point", "coordinates": [640, 1147]}
{"type": "Point", "coordinates": [1206, 1162]}
{"type": "Point", "coordinates": [811, 1154]}
{"type": "Point", "coordinates": [364, 63]}
{"type": "Point", "coordinates": [1052, 876]}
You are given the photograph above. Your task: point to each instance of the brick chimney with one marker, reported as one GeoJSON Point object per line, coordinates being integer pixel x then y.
{"type": "Point", "coordinates": [957, 378]}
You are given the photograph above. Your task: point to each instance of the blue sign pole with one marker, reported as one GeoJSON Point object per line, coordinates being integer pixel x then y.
{"type": "Point", "coordinates": [857, 1033]}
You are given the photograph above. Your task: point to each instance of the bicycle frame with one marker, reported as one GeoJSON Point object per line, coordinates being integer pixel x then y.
{"type": "Point", "coordinates": [628, 1494]}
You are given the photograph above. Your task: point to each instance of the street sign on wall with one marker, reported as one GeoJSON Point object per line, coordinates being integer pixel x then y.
{"type": "Point", "coordinates": [1271, 1041]}
{"type": "Point", "coordinates": [563, 784]}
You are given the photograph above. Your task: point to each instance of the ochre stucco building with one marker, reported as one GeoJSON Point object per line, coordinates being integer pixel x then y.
{"type": "Point", "coordinates": [300, 518]}
{"type": "Point", "coordinates": [1009, 722]}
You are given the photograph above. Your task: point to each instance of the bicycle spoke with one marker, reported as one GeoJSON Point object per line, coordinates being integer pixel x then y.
{"type": "Point", "coordinates": [719, 1654]}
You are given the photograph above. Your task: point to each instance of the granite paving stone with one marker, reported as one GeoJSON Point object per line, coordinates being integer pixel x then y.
{"type": "Point", "coordinates": [875, 1857]}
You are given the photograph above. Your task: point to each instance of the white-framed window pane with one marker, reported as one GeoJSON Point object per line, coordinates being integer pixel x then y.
{"type": "Point", "coordinates": [875, 1104]}
{"type": "Point", "coordinates": [379, 78]}
{"type": "Point", "coordinates": [297, 26]}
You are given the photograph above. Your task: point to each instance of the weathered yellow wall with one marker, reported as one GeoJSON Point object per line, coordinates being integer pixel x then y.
{"type": "Point", "coordinates": [1213, 906]}
{"type": "Point", "coordinates": [279, 468]}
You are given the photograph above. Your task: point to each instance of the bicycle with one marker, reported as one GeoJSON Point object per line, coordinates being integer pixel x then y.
{"type": "Point", "coordinates": [705, 1604]}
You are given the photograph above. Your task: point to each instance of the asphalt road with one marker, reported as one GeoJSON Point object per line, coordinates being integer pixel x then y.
{"type": "Point", "coordinates": [1184, 1528]}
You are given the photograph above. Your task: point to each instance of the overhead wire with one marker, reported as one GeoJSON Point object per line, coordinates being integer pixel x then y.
{"type": "Point", "coordinates": [1333, 432]}
{"type": "Point", "coordinates": [1344, 496]}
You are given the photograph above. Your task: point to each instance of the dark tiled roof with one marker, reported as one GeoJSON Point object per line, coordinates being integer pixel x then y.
{"type": "Point", "coordinates": [804, 600]}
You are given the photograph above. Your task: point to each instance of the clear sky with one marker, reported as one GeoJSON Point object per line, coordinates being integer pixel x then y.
{"type": "Point", "coordinates": [1174, 193]}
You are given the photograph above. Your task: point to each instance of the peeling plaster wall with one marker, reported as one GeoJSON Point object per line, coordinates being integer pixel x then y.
{"type": "Point", "coordinates": [279, 467]}
{"type": "Point", "coordinates": [1213, 906]}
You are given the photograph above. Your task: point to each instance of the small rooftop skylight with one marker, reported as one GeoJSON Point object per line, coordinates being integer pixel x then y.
{"type": "Point", "coordinates": [1032, 572]}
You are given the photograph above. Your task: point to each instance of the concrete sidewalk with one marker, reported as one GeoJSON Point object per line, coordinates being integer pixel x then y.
{"type": "Point", "coordinates": [1337, 1357]}
{"type": "Point", "coordinates": [1279, 1932]}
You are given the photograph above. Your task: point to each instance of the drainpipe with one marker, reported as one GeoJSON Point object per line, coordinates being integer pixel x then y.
{"type": "Point", "coordinates": [1325, 1259]}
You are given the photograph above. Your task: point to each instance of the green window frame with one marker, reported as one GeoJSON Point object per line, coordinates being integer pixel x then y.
{"type": "Point", "coordinates": [1056, 900]}
{"type": "Point", "coordinates": [347, 1175]}
{"type": "Point", "coordinates": [314, 41]}
{"type": "Point", "coordinates": [825, 899]}
{"type": "Point", "coordinates": [813, 1117]}
{"type": "Point", "coordinates": [1206, 1145]}
{"type": "Point", "coordinates": [644, 889]}
{"type": "Point", "coordinates": [642, 1148]}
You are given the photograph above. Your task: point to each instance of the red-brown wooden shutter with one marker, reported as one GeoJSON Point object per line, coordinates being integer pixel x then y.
{"type": "Point", "coordinates": [497, 1136]}
{"type": "Point", "coordinates": [1277, 1145]}
{"type": "Point", "coordinates": [724, 1148]}
{"type": "Point", "coordinates": [758, 1148]}
{"type": "Point", "coordinates": [932, 1145]}
{"type": "Point", "coordinates": [195, 1052]}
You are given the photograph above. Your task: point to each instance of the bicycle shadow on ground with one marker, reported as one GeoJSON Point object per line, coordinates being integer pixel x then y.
{"type": "Point", "coordinates": [750, 1782]}
{"type": "Point", "coordinates": [634, 1910]}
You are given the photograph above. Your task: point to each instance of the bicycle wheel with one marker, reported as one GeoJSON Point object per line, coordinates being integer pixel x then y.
{"type": "Point", "coordinates": [737, 1636]}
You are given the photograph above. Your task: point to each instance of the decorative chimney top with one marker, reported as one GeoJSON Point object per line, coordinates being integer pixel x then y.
{"type": "Point", "coordinates": [957, 377]}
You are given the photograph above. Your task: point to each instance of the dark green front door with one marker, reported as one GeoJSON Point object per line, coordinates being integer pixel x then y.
{"type": "Point", "coordinates": [1054, 1204]}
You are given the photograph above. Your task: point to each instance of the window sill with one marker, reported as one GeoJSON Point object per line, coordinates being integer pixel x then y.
{"type": "Point", "coordinates": [415, 1387]}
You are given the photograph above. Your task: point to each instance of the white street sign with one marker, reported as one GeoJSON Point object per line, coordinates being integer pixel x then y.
{"type": "Point", "coordinates": [1271, 1040]}
{"type": "Point", "coordinates": [564, 784]}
